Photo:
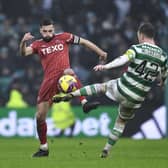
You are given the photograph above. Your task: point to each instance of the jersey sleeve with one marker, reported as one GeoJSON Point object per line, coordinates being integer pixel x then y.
{"type": "Point", "coordinates": [34, 46]}
{"type": "Point", "coordinates": [70, 38]}
{"type": "Point", "coordinates": [130, 53]}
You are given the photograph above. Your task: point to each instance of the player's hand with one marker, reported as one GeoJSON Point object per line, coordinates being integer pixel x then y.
{"type": "Point", "coordinates": [27, 37]}
{"type": "Point", "coordinates": [99, 67]}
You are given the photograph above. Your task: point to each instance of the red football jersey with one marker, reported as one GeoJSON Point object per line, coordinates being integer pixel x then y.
{"type": "Point", "coordinates": [54, 55]}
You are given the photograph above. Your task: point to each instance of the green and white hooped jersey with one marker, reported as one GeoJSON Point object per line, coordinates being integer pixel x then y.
{"type": "Point", "coordinates": [147, 61]}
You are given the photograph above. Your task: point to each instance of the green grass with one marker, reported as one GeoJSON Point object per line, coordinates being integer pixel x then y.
{"type": "Point", "coordinates": [84, 153]}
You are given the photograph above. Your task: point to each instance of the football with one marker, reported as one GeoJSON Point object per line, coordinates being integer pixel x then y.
{"type": "Point", "coordinates": [67, 84]}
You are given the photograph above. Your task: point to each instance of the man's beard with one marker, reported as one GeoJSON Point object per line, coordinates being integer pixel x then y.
{"type": "Point", "coordinates": [48, 39]}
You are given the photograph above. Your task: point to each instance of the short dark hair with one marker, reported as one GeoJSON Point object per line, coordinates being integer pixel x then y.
{"type": "Point", "coordinates": [147, 29]}
{"type": "Point", "coordinates": [46, 22]}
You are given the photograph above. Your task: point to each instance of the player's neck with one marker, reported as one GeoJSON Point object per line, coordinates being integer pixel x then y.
{"type": "Point", "coordinates": [150, 41]}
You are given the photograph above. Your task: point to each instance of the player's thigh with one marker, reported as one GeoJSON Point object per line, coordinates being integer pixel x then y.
{"type": "Point", "coordinates": [111, 90]}
{"type": "Point", "coordinates": [47, 90]}
{"type": "Point", "coordinates": [126, 113]}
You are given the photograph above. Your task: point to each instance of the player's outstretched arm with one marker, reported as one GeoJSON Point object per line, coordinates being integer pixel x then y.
{"type": "Point", "coordinates": [102, 54]}
{"type": "Point", "coordinates": [24, 50]}
{"type": "Point", "coordinates": [122, 60]}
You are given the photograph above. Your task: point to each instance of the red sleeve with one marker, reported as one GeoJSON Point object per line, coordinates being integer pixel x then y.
{"type": "Point", "coordinates": [34, 46]}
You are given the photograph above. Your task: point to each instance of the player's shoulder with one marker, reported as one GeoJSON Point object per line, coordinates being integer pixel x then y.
{"type": "Point", "coordinates": [38, 41]}
{"type": "Point", "coordinates": [133, 48]}
{"type": "Point", "coordinates": [65, 36]}
{"type": "Point", "coordinates": [165, 54]}
{"type": "Point", "coordinates": [59, 34]}
{"type": "Point", "coordinates": [136, 46]}
{"type": "Point", "coordinates": [62, 34]}
{"type": "Point", "coordinates": [161, 50]}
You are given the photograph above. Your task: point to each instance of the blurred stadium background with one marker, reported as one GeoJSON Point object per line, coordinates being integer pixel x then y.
{"type": "Point", "coordinates": [112, 25]}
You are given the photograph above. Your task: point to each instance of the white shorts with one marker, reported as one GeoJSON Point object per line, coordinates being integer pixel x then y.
{"type": "Point", "coordinates": [126, 108]}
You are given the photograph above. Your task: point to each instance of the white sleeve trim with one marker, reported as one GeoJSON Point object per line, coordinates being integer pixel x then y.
{"type": "Point", "coordinates": [76, 39]}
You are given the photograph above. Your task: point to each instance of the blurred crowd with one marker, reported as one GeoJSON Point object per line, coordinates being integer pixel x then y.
{"type": "Point", "coordinates": [111, 24]}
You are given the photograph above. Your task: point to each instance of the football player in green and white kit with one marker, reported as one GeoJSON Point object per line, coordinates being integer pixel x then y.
{"type": "Point", "coordinates": [147, 62]}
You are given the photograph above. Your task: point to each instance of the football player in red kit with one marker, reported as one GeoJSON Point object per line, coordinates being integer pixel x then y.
{"type": "Point", "coordinates": [53, 50]}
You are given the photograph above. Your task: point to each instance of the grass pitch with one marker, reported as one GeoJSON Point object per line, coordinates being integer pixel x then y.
{"type": "Point", "coordinates": [84, 153]}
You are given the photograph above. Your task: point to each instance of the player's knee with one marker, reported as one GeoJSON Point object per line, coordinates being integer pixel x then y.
{"type": "Point", "coordinates": [126, 114]}
{"type": "Point", "coordinates": [69, 71]}
{"type": "Point", "coordinates": [104, 87]}
{"type": "Point", "coordinates": [122, 118]}
{"type": "Point", "coordinates": [40, 116]}
{"type": "Point", "coordinates": [126, 118]}
{"type": "Point", "coordinates": [100, 87]}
